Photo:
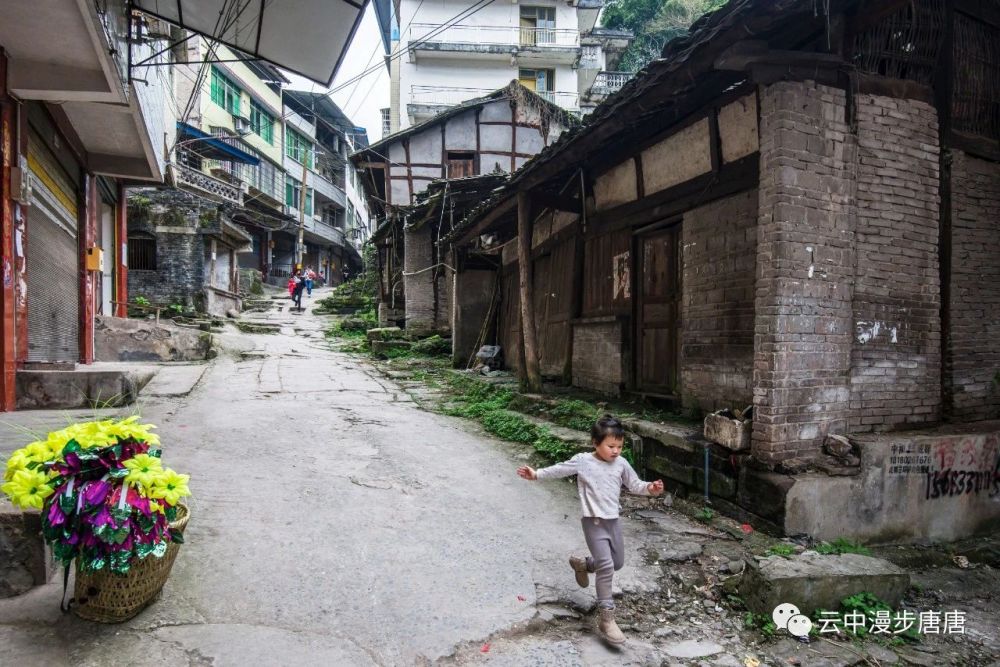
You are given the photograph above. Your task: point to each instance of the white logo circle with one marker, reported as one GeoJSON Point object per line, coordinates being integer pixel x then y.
{"type": "Point", "coordinates": [799, 626]}
{"type": "Point", "coordinates": [782, 613]}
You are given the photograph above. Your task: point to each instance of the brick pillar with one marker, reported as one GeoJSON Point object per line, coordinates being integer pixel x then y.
{"type": "Point", "coordinates": [8, 350]}
{"type": "Point", "coordinates": [896, 360]}
{"type": "Point", "coordinates": [805, 271]}
{"type": "Point", "coordinates": [418, 279]}
{"type": "Point", "coordinates": [120, 257]}
{"type": "Point", "coordinates": [87, 236]}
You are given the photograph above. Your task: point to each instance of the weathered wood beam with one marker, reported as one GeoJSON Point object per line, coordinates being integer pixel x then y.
{"type": "Point", "coordinates": [498, 212]}
{"type": "Point", "coordinates": [529, 341]}
{"type": "Point", "coordinates": [742, 55]}
{"type": "Point", "coordinates": [743, 174]}
{"type": "Point", "coordinates": [556, 202]}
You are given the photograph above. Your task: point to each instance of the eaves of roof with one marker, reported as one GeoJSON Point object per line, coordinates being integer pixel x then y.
{"type": "Point", "coordinates": [565, 117]}
{"type": "Point", "coordinates": [676, 71]}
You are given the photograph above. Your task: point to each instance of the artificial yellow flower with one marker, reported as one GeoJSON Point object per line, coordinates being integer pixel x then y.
{"type": "Point", "coordinates": [28, 488]}
{"type": "Point", "coordinates": [144, 470]}
{"type": "Point", "coordinates": [170, 486]}
{"type": "Point", "coordinates": [18, 461]}
{"type": "Point", "coordinates": [39, 452]}
{"type": "Point", "coordinates": [155, 507]}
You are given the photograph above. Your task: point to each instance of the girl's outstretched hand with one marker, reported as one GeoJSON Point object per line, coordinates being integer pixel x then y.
{"type": "Point", "coordinates": [656, 488]}
{"type": "Point", "coordinates": [528, 472]}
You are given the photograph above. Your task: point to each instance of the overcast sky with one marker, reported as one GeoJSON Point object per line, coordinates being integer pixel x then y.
{"type": "Point", "coordinates": [361, 101]}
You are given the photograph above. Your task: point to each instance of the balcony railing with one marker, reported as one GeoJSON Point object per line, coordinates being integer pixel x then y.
{"type": "Point", "coordinates": [329, 190]}
{"type": "Point", "coordinates": [487, 34]}
{"type": "Point", "coordinates": [452, 95]}
{"type": "Point", "coordinates": [187, 178]}
{"type": "Point", "coordinates": [263, 177]}
{"type": "Point", "coordinates": [328, 232]}
{"type": "Point", "coordinates": [610, 82]}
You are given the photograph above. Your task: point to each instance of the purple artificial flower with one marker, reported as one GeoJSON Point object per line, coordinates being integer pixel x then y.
{"type": "Point", "coordinates": [56, 516]}
{"type": "Point", "coordinates": [101, 517]}
{"type": "Point", "coordinates": [70, 466]}
{"type": "Point", "coordinates": [95, 492]}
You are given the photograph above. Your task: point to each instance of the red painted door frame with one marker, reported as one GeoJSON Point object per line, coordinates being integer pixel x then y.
{"type": "Point", "coordinates": [87, 235]}
{"type": "Point", "coordinates": [21, 253]}
{"type": "Point", "coordinates": [8, 347]}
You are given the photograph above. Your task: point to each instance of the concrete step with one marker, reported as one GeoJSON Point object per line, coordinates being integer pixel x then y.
{"type": "Point", "coordinates": [812, 581]}
{"type": "Point", "coordinates": [25, 560]}
{"type": "Point", "coordinates": [83, 387]}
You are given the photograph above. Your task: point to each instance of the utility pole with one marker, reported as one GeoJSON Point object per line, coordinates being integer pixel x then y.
{"type": "Point", "coordinates": [301, 245]}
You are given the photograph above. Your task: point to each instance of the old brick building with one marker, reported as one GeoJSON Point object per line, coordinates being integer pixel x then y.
{"type": "Point", "coordinates": [184, 250]}
{"type": "Point", "coordinates": [793, 209]}
{"type": "Point", "coordinates": [496, 133]}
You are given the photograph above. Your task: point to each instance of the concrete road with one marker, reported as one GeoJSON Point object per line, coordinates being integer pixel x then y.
{"type": "Point", "coordinates": [333, 523]}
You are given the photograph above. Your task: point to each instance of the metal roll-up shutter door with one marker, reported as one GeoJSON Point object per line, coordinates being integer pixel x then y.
{"type": "Point", "coordinates": [52, 261]}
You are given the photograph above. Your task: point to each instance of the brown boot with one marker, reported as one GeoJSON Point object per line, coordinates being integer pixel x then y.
{"type": "Point", "coordinates": [579, 566]}
{"type": "Point", "coordinates": [608, 629]}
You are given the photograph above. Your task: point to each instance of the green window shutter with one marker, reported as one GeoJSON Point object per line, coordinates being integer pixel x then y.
{"type": "Point", "coordinates": [218, 95]}
{"type": "Point", "coordinates": [309, 201]}
{"type": "Point", "coordinates": [289, 193]}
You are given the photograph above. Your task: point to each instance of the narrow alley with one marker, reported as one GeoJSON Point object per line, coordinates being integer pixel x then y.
{"type": "Point", "coordinates": [337, 523]}
{"type": "Point", "coordinates": [333, 523]}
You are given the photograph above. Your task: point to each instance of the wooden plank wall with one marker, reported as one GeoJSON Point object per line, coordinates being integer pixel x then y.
{"type": "Point", "coordinates": [553, 301]}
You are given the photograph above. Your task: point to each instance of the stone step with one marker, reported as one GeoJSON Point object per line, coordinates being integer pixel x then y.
{"type": "Point", "coordinates": [812, 581]}
{"type": "Point", "coordinates": [25, 560]}
{"type": "Point", "coordinates": [383, 346]}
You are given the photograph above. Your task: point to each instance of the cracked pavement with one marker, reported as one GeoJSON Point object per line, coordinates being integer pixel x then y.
{"type": "Point", "coordinates": [333, 522]}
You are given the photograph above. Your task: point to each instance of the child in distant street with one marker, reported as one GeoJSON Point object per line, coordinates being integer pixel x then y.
{"type": "Point", "coordinates": [310, 277]}
{"type": "Point", "coordinates": [600, 476]}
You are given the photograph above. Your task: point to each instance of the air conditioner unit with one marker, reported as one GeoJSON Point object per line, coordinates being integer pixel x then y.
{"type": "Point", "coordinates": [241, 124]}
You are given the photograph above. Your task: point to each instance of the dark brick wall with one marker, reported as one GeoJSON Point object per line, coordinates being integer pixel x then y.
{"type": "Point", "coordinates": [972, 360]}
{"type": "Point", "coordinates": [176, 219]}
{"type": "Point", "coordinates": [805, 265]}
{"type": "Point", "coordinates": [602, 360]}
{"type": "Point", "coordinates": [428, 294]}
{"type": "Point", "coordinates": [895, 357]}
{"type": "Point", "coordinates": [719, 264]}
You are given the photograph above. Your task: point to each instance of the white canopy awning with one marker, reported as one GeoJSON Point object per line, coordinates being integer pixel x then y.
{"type": "Point", "coordinates": [307, 37]}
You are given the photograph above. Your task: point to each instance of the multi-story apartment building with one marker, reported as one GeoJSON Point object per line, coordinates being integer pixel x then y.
{"type": "Point", "coordinates": [318, 139]}
{"type": "Point", "coordinates": [553, 48]}
{"type": "Point", "coordinates": [238, 143]}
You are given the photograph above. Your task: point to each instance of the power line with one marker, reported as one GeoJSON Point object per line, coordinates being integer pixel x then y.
{"type": "Point", "coordinates": [464, 14]}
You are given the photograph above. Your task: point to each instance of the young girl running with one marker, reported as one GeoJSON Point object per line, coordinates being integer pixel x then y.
{"type": "Point", "coordinates": [600, 477]}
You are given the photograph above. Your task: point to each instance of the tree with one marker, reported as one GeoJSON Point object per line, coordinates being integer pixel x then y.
{"type": "Point", "coordinates": [654, 23]}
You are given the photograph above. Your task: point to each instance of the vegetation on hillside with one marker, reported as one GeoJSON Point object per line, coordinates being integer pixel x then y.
{"type": "Point", "coordinates": [654, 23]}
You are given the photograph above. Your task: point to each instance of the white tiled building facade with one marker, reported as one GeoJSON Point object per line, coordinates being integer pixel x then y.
{"type": "Point", "coordinates": [551, 47]}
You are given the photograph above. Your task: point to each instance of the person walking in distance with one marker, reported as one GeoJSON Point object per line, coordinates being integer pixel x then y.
{"type": "Point", "coordinates": [310, 277]}
{"type": "Point", "coordinates": [300, 285]}
{"type": "Point", "coordinates": [600, 476]}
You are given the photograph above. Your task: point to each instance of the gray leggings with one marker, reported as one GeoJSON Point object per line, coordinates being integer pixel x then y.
{"type": "Point", "coordinates": [607, 548]}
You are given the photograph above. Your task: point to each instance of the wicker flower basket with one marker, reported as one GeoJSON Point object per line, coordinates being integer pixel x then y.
{"type": "Point", "coordinates": [106, 597]}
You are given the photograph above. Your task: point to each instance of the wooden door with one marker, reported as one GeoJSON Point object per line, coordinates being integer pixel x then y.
{"type": "Point", "coordinates": [658, 316]}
